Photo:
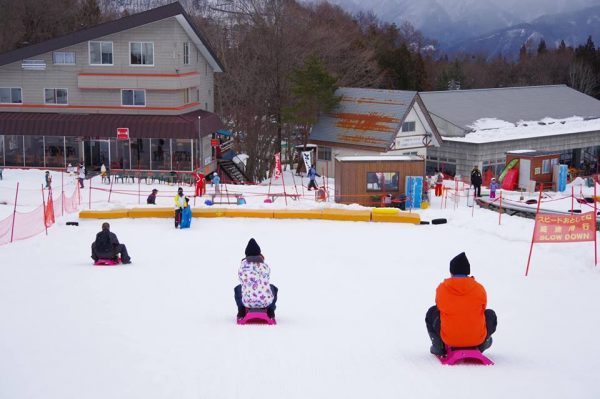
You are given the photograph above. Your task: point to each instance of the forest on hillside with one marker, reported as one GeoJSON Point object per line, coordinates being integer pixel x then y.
{"type": "Point", "coordinates": [271, 48]}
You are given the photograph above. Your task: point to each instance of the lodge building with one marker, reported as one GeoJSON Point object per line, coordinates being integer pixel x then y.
{"type": "Point", "coordinates": [152, 73]}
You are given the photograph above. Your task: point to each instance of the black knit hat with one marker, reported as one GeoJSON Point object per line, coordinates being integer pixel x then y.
{"type": "Point", "coordinates": [460, 265]}
{"type": "Point", "coordinates": [252, 249]}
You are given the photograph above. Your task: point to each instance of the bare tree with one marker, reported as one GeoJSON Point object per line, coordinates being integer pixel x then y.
{"type": "Point", "coordinates": [582, 78]}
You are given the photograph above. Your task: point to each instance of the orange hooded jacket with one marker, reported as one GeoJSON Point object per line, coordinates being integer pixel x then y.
{"type": "Point", "coordinates": [462, 302]}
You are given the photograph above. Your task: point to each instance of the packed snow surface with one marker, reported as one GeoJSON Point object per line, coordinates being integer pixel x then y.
{"type": "Point", "coordinates": [351, 309]}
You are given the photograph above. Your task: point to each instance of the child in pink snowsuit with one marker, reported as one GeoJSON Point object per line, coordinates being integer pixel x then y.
{"type": "Point", "coordinates": [493, 187]}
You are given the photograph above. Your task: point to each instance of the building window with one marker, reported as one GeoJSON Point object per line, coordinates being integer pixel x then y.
{"type": "Point", "coordinates": [408, 126]}
{"type": "Point", "coordinates": [133, 98]}
{"type": "Point", "coordinates": [56, 96]}
{"type": "Point", "coordinates": [379, 181]}
{"type": "Point", "coordinates": [197, 95]}
{"type": "Point", "coordinates": [142, 53]}
{"type": "Point", "coordinates": [546, 165]}
{"type": "Point", "coordinates": [186, 96]}
{"type": "Point", "coordinates": [186, 53]}
{"type": "Point", "coordinates": [324, 154]}
{"type": "Point", "coordinates": [101, 53]}
{"type": "Point", "coordinates": [63, 58]}
{"type": "Point", "coordinates": [10, 95]}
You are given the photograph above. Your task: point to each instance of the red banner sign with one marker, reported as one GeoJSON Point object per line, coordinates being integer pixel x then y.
{"type": "Point", "coordinates": [277, 166]}
{"type": "Point", "coordinates": [571, 228]}
{"type": "Point", "coordinates": [123, 133]}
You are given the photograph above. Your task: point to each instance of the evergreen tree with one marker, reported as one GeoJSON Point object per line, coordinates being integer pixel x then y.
{"type": "Point", "coordinates": [313, 92]}
{"type": "Point", "coordinates": [542, 49]}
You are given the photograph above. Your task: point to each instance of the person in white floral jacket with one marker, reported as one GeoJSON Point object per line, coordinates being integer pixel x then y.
{"type": "Point", "coordinates": [254, 290]}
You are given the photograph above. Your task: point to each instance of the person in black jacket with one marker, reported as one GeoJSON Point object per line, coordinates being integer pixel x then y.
{"type": "Point", "coordinates": [476, 180]}
{"type": "Point", "coordinates": [152, 197]}
{"type": "Point", "coordinates": [107, 246]}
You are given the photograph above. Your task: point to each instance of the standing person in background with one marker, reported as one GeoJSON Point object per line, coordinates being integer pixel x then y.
{"type": "Point", "coordinates": [439, 183]}
{"type": "Point", "coordinates": [181, 201]}
{"type": "Point", "coordinates": [200, 183]}
{"type": "Point", "coordinates": [312, 176]}
{"type": "Point", "coordinates": [216, 182]}
{"type": "Point", "coordinates": [81, 175]}
{"type": "Point", "coordinates": [71, 170]}
{"type": "Point", "coordinates": [103, 173]}
{"type": "Point", "coordinates": [48, 179]}
{"type": "Point", "coordinates": [476, 180]}
{"type": "Point", "coordinates": [493, 187]}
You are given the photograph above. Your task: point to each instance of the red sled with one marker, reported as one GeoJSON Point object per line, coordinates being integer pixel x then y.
{"type": "Point", "coordinates": [466, 355]}
{"type": "Point", "coordinates": [256, 316]}
{"type": "Point", "coordinates": [107, 262]}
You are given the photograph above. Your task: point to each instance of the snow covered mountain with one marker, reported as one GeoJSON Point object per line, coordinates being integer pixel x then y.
{"type": "Point", "coordinates": [457, 21]}
{"type": "Point", "coordinates": [573, 28]}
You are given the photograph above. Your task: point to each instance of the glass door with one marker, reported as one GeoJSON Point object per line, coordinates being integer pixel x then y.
{"type": "Point", "coordinates": [96, 153]}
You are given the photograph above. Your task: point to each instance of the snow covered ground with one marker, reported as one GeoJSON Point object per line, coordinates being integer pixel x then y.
{"type": "Point", "coordinates": [351, 310]}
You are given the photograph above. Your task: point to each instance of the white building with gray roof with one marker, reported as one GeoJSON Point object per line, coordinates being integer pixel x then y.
{"type": "Point", "coordinates": [478, 127]}
{"type": "Point", "coordinates": [373, 122]}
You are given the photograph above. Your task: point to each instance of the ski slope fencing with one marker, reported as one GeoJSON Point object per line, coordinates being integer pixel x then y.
{"type": "Point", "coordinates": [26, 224]}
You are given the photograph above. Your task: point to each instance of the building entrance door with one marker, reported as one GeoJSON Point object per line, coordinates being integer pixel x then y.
{"type": "Point", "coordinates": [96, 153]}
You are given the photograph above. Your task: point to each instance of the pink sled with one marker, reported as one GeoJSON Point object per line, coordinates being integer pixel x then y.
{"type": "Point", "coordinates": [256, 316]}
{"type": "Point", "coordinates": [466, 355]}
{"type": "Point", "coordinates": [107, 262]}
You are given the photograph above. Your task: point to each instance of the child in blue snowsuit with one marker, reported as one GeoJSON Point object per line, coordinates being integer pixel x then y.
{"type": "Point", "coordinates": [493, 187]}
{"type": "Point", "coordinates": [312, 175]}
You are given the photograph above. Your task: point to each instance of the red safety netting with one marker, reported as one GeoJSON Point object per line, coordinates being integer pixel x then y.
{"type": "Point", "coordinates": [22, 225]}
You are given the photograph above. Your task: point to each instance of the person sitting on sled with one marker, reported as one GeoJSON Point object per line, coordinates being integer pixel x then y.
{"type": "Point", "coordinates": [254, 290]}
{"type": "Point", "coordinates": [459, 318]}
{"type": "Point", "coordinates": [181, 201]}
{"type": "Point", "coordinates": [107, 246]}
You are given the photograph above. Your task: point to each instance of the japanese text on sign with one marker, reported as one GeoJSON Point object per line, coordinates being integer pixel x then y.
{"type": "Point", "coordinates": [558, 228]}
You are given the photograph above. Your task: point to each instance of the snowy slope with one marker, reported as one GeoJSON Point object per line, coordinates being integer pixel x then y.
{"type": "Point", "coordinates": [353, 297]}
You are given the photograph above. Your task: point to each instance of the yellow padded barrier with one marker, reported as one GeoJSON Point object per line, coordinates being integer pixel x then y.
{"type": "Point", "coordinates": [394, 216]}
{"type": "Point", "coordinates": [347, 215]}
{"type": "Point", "coordinates": [152, 213]}
{"type": "Point", "coordinates": [298, 214]}
{"type": "Point", "coordinates": [114, 214]}
{"type": "Point", "coordinates": [248, 213]}
{"type": "Point", "coordinates": [208, 212]}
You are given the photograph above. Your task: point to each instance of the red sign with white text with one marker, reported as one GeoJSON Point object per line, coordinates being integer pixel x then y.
{"type": "Point", "coordinates": [123, 133]}
{"type": "Point", "coordinates": [568, 228]}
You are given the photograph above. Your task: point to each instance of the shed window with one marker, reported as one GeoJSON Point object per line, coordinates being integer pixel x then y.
{"type": "Point", "coordinates": [380, 181]}
{"type": "Point", "coordinates": [324, 154]}
{"type": "Point", "coordinates": [547, 165]}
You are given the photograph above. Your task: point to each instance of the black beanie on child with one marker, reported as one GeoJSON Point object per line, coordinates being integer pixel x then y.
{"type": "Point", "coordinates": [460, 265]}
{"type": "Point", "coordinates": [252, 249]}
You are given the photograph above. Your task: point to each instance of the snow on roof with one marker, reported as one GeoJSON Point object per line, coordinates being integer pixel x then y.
{"type": "Point", "coordinates": [464, 107]}
{"type": "Point", "coordinates": [359, 158]}
{"type": "Point", "coordinates": [525, 130]}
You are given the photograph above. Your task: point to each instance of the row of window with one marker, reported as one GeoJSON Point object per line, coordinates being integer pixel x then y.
{"type": "Point", "coordinates": [59, 151]}
{"type": "Point", "coordinates": [102, 53]}
{"type": "Point", "coordinates": [129, 97]}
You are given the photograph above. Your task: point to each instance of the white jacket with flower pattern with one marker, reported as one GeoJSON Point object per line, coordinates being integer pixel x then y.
{"type": "Point", "coordinates": [254, 277]}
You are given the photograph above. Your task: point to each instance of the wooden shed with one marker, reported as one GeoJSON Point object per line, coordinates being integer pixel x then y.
{"type": "Point", "coordinates": [366, 179]}
{"type": "Point", "coordinates": [534, 166]}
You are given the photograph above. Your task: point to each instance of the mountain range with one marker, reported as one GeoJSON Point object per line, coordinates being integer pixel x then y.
{"type": "Point", "coordinates": [490, 26]}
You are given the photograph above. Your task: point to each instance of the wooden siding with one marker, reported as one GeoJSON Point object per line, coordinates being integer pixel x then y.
{"type": "Point", "coordinates": [168, 37]}
{"type": "Point", "coordinates": [351, 178]}
{"type": "Point", "coordinates": [536, 162]}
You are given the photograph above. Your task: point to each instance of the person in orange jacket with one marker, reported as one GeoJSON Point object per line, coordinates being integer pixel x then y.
{"type": "Point", "coordinates": [459, 318]}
